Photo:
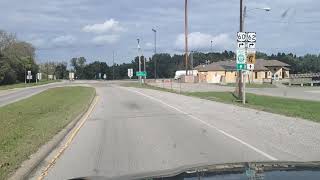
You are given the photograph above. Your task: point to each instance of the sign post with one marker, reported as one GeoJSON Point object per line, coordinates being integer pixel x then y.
{"type": "Point", "coordinates": [245, 57]}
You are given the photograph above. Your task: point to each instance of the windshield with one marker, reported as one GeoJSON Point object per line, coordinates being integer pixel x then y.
{"type": "Point", "coordinates": [120, 88]}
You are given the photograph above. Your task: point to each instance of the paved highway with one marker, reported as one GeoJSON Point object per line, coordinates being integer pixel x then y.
{"type": "Point", "coordinates": [13, 95]}
{"type": "Point", "coordinates": [134, 131]}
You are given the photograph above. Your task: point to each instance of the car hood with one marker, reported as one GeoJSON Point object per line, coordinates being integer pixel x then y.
{"type": "Point", "coordinates": [244, 170]}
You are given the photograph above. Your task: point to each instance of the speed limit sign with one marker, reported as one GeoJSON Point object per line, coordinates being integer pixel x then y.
{"type": "Point", "coordinates": [241, 37]}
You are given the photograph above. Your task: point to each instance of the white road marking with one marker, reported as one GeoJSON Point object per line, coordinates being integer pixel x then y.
{"type": "Point", "coordinates": [206, 123]}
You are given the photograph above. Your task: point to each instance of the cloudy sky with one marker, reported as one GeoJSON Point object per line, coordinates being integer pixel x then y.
{"type": "Point", "coordinates": [62, 29]}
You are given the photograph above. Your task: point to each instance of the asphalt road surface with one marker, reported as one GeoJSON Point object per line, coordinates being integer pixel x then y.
{"type": "Point", "coordinates": [13, 95]}
{"type": "Point", "coordinates": [133, 131]}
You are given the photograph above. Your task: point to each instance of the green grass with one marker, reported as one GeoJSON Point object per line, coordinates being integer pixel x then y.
{"type": "Point", "coordinates": [254, 85]}
{"type": "Point", "coordinates": [23, 85]}
{"type": "Point", "coordinates": [286, 106]}
{"type": "Point", "coordinates": [30, 123]}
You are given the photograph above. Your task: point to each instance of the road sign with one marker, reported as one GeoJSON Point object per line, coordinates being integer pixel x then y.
{"type": "Point", "coordinates": [29, 73]}
{"type": "Point", "coordinates": [251, 36]}
{"type": "Point", "coordinates": [130, 73]}
{"type": "Point", "coordinates": [241, 56]}
{"type": "Point", "coordinates": [39, 76]}
{"type": "Point", "coordinates": [251, 56]}
{"type": "Point", "coordinates": [241, 37]}
{"type": "Point", "coordinates": [241, 45]}
{"type": "Point", "coordinates": [141, 73]}
{"type": "Point", "coordinates": [251, 45]}
{"type": "Point", "coordinates": [29, 77]}
{"type": "Point", "coordinates": [250, 66]}
{"type": "Point", "coordinates": [241, 66]}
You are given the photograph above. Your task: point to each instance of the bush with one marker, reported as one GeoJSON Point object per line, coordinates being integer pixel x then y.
{"type": "Point", "coordinates": [10, 77]}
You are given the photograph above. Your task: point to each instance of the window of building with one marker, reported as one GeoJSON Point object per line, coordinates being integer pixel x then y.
{"type": "Point", "coordinates": [266, 75]}
{"type": "Point", "coordinates": [256, 75]}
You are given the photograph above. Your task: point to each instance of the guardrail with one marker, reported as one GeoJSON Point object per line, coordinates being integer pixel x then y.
{"type": "Point", "coordinates": [306, 75]}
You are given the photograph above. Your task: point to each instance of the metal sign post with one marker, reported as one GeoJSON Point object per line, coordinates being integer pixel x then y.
{"type": "Point", "coordinates": [245, 57]}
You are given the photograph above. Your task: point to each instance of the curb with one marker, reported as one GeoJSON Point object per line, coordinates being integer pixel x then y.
{"type": "Point", "coordinates": [29, 165]}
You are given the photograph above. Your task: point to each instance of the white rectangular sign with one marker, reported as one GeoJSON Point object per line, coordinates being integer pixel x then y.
{"type": "Point", "coordinates": [241, 45]}
{"type": "Point", "coordinates": [130, 73]}
{"type": "Point", "coordinates": [39, 76]}
{"type": "Point", "coordinates": [241, 37]}
{"type": "Point", "coordinates": [251, 45]}
{"type": "Point", "coordinates": [251, 36]}
{"type": "Point", "coordinates": [29, 73]}
{"type": "Point", "coordinates": [250, 66]}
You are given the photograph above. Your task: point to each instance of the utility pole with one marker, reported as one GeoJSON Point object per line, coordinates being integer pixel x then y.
{"type": "Point", "coordinates": [239, 85]}
{"type": "Point", "coordinates": [139, 60]}
{"type": "Point", "coordinates": [211, 46]}
{"type": "Point", "coordinates": [186, 33]}
{"type": "Point", "coordinates": [191, 59]}
{"type": "Point", "coordinates": [113, 65]}
{"type": "Point", "coordinates": [144, 68]}
{"type": "Point", "coordinates": [155, 52]}
{"type": "Point", "coordinates": [47, 70]}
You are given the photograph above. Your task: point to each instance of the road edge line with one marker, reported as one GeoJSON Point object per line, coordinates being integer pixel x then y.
{"type": "Point", "coordinates": [207, 124]}
{"type": "Point", "coordinates": [28, 166]}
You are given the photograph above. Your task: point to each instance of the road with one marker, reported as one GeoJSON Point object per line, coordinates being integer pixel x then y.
{"type": "Point", "coordinates": [306, 93]}
{"type": "Point", "coordinates": [133, 131]}
{"type": "Point", "coordinates": [13, 95]}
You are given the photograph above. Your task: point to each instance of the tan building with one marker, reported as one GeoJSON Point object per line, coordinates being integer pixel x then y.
{"type": "Point", "coordinates": [265, 71]}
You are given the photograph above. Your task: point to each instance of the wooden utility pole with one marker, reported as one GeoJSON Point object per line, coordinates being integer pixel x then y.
{"type": "Point", "coordinates": [186, 33]}
{"type": "Point", "coordinates": [239, 85]}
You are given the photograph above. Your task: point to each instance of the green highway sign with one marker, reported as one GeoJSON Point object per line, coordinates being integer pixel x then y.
{"type": "Point", "coordinates": [141, 73]}
{"type": "Point", "coordinates": [241, 66]}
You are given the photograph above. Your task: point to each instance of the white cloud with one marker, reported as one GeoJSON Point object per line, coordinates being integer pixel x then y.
{"type": "Point", "coordinates": [37, 42]}
{"type": "Point", "coordinates": [65, 39]}
{"type": "Point", "coordinates": [149, 44]}
{"type": "Point", "coordinates": [109, 39]}
{"type": "Point", "coordinates": [110, 25]}
{"type": "Point", "coordinates": [202, 41]}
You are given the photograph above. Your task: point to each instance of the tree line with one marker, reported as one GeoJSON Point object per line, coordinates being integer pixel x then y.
{"type": "Point", "coordinates": [17, 57]}
{"type": "Point", "coordinates": [167, 64]}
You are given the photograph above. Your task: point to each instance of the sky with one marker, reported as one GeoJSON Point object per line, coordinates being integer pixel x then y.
{"type": "Point", "coordinates": [62, 29]}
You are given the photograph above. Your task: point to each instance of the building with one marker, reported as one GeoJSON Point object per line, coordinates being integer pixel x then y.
{"type": "Point", "coordinates": [265, 71]}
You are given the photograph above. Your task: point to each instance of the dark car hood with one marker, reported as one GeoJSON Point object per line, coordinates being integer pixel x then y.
{"type": "Point", "coordinates": [246, 170]}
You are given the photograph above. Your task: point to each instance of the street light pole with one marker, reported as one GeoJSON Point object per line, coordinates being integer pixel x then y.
{"type": "Point", "coordinates": [186, 33]}
{"type": "Point", "coordinates": [155, 52]}
{"type": "Point", "coordinates": [113, 65]}
{"type": "Point", "coordinates": [211, 46]}
{"type": "Point", "coordinates": [139, 60]}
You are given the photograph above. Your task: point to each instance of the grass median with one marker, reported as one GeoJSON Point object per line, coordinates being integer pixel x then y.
{"type": "Point", "coordinates": [23, 85]}
{"type": "Point", "coordinates": [286, 106]}
{"type": "Point", "coordinates": [30, 123]}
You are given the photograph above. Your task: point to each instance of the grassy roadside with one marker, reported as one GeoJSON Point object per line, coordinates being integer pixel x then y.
{"type": "Point", "coordinates": [290, 107]}
{"type": "Point", "coordinates": [254, 85]}
{"type": "Point", "coordinates": [23, 85]}
{"type": "Point", "coordinates": [30, 123]}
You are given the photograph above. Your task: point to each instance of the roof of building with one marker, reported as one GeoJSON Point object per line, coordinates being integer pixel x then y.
{"type": "Point", "coordinates": [261, 65]}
